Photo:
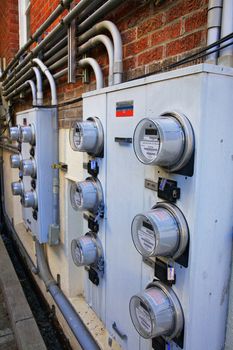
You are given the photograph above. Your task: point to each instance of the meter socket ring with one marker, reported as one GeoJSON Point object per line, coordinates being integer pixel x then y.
{"type": "Point", "coordinates": [168, 141]}
{"type": "Point", "coordinates": [89, 250]}
{"type": "Point", "coordinates": [161, 231]}
{"type": "Point", "coordinates": [157, 312]}
{"type": "Point", "coordinates": [177, 308]}
{"type": "Point", "coordinates": [182, 225]}
{"type": "Point", "coordinates": [28, 134]}
{"type": "Point", "coordinates": [90, 136]}
{"type": "Point", "coordinates": [189, 140]}
{"type": "Point", "coordinates": [90, 195]}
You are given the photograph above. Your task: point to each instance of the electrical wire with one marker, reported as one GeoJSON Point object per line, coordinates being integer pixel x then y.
{"type": "Point", "coordinates": [198, 55]}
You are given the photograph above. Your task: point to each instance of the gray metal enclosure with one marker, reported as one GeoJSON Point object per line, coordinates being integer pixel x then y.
{"type": "Point", "coordinates": [203, 94]}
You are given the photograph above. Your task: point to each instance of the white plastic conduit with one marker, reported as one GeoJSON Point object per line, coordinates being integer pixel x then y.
{"type": "Point", "coordinates": [85, 62]}
{"type": "Point", "coordinates": [50, 78]}
{"type": "Point", "coordinates": [214, 26]}
{"type": "Point", "coordinates": [33, 89]}
{"type": "Point", "coordinates": [116, 37]}
{"type": "Point", "coordinates": [109, 47]}
{"type": "Point", "coordinates": [226, 55]}
{"type": "Point", "coordinates": [39, 86]}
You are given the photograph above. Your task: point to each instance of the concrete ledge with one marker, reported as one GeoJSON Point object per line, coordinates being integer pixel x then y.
{"type": "Point", "coordinates": [26, 331]}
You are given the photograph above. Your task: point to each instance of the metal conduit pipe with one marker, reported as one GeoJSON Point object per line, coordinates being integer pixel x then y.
{"type": "Point", "coordinates": [55, 48]}
{"type": "Point", "coordinates": [16, 80]}
{"type": "Point", "coordinates": [26, 76]}
{"type": "Point", "coordinates": [22, 87]}
{"type": "Point", "coordinates": [21, 67]}
{"type": "Point", "coordinates": [57, 56]}
{"type": "Point", "coordinates": [59, 63]}
{"type": "Point", "coordinates": [81, 333]}
{"type": "Point", "coordinates": [103, 39]}
{"type": "Point", "coordinates": [85, 62]}
{"type": "Point", "coordinates": [54, 15]}
{"type": "Point", "coordinates": [24, 70]}
{"type": "Point", "coordinates": [19, 81]}
{"type": "Point", "coordinates": [116, 37]}
{"type": "Point", "coordinates": [74, 321]}
{"type": "Point", "coordinates": [65, 21]}
{"type": "Point", "coordinates": [226, 54]}
{"type": "Point", "coordinates": [89, 10]}
{"type": "Point", "coordinates": [60, 74]}
{"type": "Point", "coordinates": [39, 86]}
{"type": "Point", "coordinates": [57, 38]}
{"type": "Point", "coordinates": [214, 26]}
{"type": "Point", "coordinates": [98, 14]}
{"type": "Point", "coordinates": [78, 8]}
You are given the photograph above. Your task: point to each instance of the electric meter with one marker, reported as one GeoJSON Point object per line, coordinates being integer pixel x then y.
{"type": "Point", "coordinates": [166, 141]}
{"type": "Point", "coordinates": [17, 188]}
{"type": "Point", "coordinates": [28, 134]}
{"type": "Point", "coordinates": [87, 195]}
{"type": "Point", "coordinates": [157, 312]}
{"type": "Point", "coordinates": [28, 167]}
{"type": "Point", "coordinates": [15, 160]}
{"type": "Point", "coordinates": [86, 250]}
{"type": "Point", "coordinates": [161, 231]}
{"type": "Point", "coordinates": [15, 132]}
{"type": "Point", "coordinates": [87, 136]}
{"type": "Point", "coordinates": [29, 199]}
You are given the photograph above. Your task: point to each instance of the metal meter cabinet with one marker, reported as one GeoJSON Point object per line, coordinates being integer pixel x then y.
{"type": "Point", "coordinates": [202, 93]}
{"type": "Point", "coordinates": [36, 139]}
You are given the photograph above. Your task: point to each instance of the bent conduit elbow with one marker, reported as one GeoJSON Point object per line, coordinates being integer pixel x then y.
{"type": "Point", "coordinates": [21, 88]}
{"type": "Point", "coordinates": [50, 78]}
{"type": "Point", "coordinates": [103, 39]}
{"type": "Point", "coordinates": [39, 86]}
{"type": "Point", "coordinates": [96, 68]}
{"type": "Point", "coordinates": [117, 41]}
{"type": "Point", "coordinates": [33, 90]}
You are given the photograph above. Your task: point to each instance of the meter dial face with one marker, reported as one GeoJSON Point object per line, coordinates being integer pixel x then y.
{"type": "Point", "coordinates": [75, 197]}
{"type": "Point", "coordinates": [84, 250]}
{"type": "Point", "coordinates": [155, 233]}
{"type": "Point", "coordinates": [146, 235]}
{"type": "Point", "coordinates": [87, 195]}
{"type": "Point", "coordinates": [77, 135]}
{"type": "Point", "coordinates": [166, 141]}
{"type": "Point", "coordinates": [149, 141]}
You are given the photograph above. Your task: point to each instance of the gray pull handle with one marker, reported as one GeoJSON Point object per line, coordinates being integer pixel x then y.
{"type": "Point", "coordinates": [121, 335]}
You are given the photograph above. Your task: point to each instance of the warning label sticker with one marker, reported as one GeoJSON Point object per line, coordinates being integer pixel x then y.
{"type": "Point", "coordinates": [144, 319]}
{"type": "Point", "coordinates": [150, 146]}
{"type": "Point", "coordinates": [147, 239]}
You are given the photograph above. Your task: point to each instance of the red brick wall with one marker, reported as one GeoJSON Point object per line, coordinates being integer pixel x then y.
{"type": "Point", "coordinates": [155, 35]}
{"type": "Point", "coordinates": [9, 28]}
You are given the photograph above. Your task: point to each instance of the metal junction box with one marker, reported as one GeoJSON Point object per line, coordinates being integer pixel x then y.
{"type": "Point", "coordinates": [169, 132]}
{"type": "Point", "coordinates": [38, 149]}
